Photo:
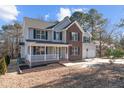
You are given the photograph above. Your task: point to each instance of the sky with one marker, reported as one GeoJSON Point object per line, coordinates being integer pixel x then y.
{"type": "Point", "coordinates": [56, 12]}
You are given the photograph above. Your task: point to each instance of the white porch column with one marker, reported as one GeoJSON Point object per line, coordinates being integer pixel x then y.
{"type": "Point", "coordinates": [58, 53]}
{"type": "Point", "coordinates": [45, 53]}
{"type": "Point", "coordinates": [30, 55]}
{"type": "Point", "coordinates": [30, 50]}
{"type": "Point", "coordinates": [55, 52]}
{"type": "Point", "coordinates": [67, 53]}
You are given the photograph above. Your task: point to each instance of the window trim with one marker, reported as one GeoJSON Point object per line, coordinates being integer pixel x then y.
{"type": "Point", "coordinates": [40, 34]}
{"type": "Point", "coordinates": [57, 36]}
{"type": "Point", "coordinates": [86, 39]}
{"type": "Point", "coordinates": [75, 51]}
{"type": "Point", "coordinates": [74, 36]}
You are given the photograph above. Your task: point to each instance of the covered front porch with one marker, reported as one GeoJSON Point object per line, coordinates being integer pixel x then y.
{"type": "Point", "coordinates": [46, 52]}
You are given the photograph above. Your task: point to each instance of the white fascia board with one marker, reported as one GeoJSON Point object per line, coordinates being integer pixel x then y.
{"type": "Point", "coordinates": [75, 22]}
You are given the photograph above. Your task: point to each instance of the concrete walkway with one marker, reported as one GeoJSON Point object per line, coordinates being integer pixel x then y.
{"type": "Point", "coordinates": [92, 62]}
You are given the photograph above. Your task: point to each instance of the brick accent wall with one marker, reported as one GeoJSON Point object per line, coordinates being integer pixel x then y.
{"type": "Point", "coordinates": [74, 28]}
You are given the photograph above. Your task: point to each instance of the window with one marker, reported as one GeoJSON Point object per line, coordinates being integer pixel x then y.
{"type": "Point", "coordinates": [37, 34]}
{"type": "Point", "coordinates": [86, 39]}
{"type": "Point", "coordinates": [40, 34]}
{"type": "Point", "coordinates": [75, 50]}
{"type": "Point", "coordinates": [57, 35]}
{"type": "Point", "coordinates": [38, 50]}
{"type": "Point", "coordinates": [74, 36]}
{"type": "Point", "coordinates": [43, 35]}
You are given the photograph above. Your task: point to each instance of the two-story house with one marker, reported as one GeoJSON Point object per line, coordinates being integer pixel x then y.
{"type": "Point", "coordinates": [46, 42]}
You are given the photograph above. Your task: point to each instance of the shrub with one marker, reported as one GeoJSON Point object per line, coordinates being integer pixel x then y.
{"type": "Point", "coordinates": [115, 53]}
{"type": "Point", "coordinates": [7, 60]}
{"type": "Point", "coordinates": [3, 67]}
{"type": "Point", "coordinates": [118, 53]}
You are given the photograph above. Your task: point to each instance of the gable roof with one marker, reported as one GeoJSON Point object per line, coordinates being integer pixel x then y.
{"type": "Point", "coordinates": [74, 22]}
{"type": "Point", "coordinates": [50, 27]}
{"type": "Point", "coordinates": [60, 25]}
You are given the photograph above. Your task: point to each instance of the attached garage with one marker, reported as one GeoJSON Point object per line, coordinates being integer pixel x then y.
{"type": "Point", "coordinates": [89, 50]}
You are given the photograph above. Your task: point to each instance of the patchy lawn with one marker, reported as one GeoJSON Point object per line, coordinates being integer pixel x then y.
{"type": "Point", "coordinates": [55, 75]}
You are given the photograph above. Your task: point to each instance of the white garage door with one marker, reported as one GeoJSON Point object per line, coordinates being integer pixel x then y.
{"type": "Point", "coordinates": [89, 51]}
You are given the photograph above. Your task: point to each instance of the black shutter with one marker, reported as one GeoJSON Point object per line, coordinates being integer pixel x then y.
{"type": "Point", "coordinates": [54, 35]}
{"type": "Point", "coordinates": [78, 37]}
{"type": "Point", "coordinates": [46, 35]}
{"type": "Point", "coordinates": [60, 35]}
{"type": "Point", "coordinates": [34, 31]}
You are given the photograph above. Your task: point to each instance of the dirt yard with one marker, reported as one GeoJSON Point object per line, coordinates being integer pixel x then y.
{"type": "Point", "coordinates": [56, 75]}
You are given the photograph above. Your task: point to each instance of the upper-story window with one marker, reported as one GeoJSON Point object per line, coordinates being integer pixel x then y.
{"type": "Point", "coordinates": [74, 36]}
{"type": "Point", "coordinates": [38, 34]}
{"type": "Point", "coordinates": [57, 35]}
{"type": "Point", "coordinates": [86, 39]}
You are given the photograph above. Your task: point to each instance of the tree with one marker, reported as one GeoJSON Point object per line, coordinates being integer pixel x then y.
{"type": "Point", "coordinates": [12, 35]}
{"type": "Point", "coordinates": [96, 22]}
{"type": "Point", "coordinates": [82, 18]}
{"type": "Point", "coordinates": [120, 42]}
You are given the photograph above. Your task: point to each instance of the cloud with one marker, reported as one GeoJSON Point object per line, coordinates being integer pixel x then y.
{"type": "Point", "coordinates": [84, 10]}
{"type": "Point", "coordinates": [46, 16]}
{"type": "Point", "coordinates": [63, 13]}
{"type": "Point", "coordinates": [77, 9]}
{"type": "Point", "coordinates": [8, 13]}
{"type": "Point", "coordinates": [67, 12]}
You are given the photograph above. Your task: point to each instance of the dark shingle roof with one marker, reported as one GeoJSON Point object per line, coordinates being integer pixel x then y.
{"type": "Point", "coordinates": [50, 27]}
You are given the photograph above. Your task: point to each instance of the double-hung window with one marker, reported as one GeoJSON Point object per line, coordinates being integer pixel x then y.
{"type": "Point", "coordinates": [58, 36]}
{"type": "Point", "coordinates": [86, 39]}
{"type": "Point", "coordinates": [74, 36]}
{"type": "Point", "coordinates": [38, 34]}
{"type": "Point", "coordinates": [43, 35]}
{"type": "Point", "coordinates": [75, 51]}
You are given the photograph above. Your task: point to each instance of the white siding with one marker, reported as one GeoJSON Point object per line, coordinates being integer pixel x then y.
{"type": "Point", "coordinates": [30, 36]}
{"type": "Point", "coordinates": [50, 36]}
{"type": "Point", "coordinates": [64, 36]}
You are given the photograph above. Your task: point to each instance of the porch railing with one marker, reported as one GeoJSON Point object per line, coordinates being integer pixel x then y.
{"type": "Point", "coordinates": [45, 57]}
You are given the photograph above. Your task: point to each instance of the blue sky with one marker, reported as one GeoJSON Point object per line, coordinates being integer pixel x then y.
{"type": "Point", "coordinates": [56, 12]}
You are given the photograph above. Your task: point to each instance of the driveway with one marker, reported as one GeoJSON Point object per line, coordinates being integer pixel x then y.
{"type": "Point", "coordinates": [92, 62]}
